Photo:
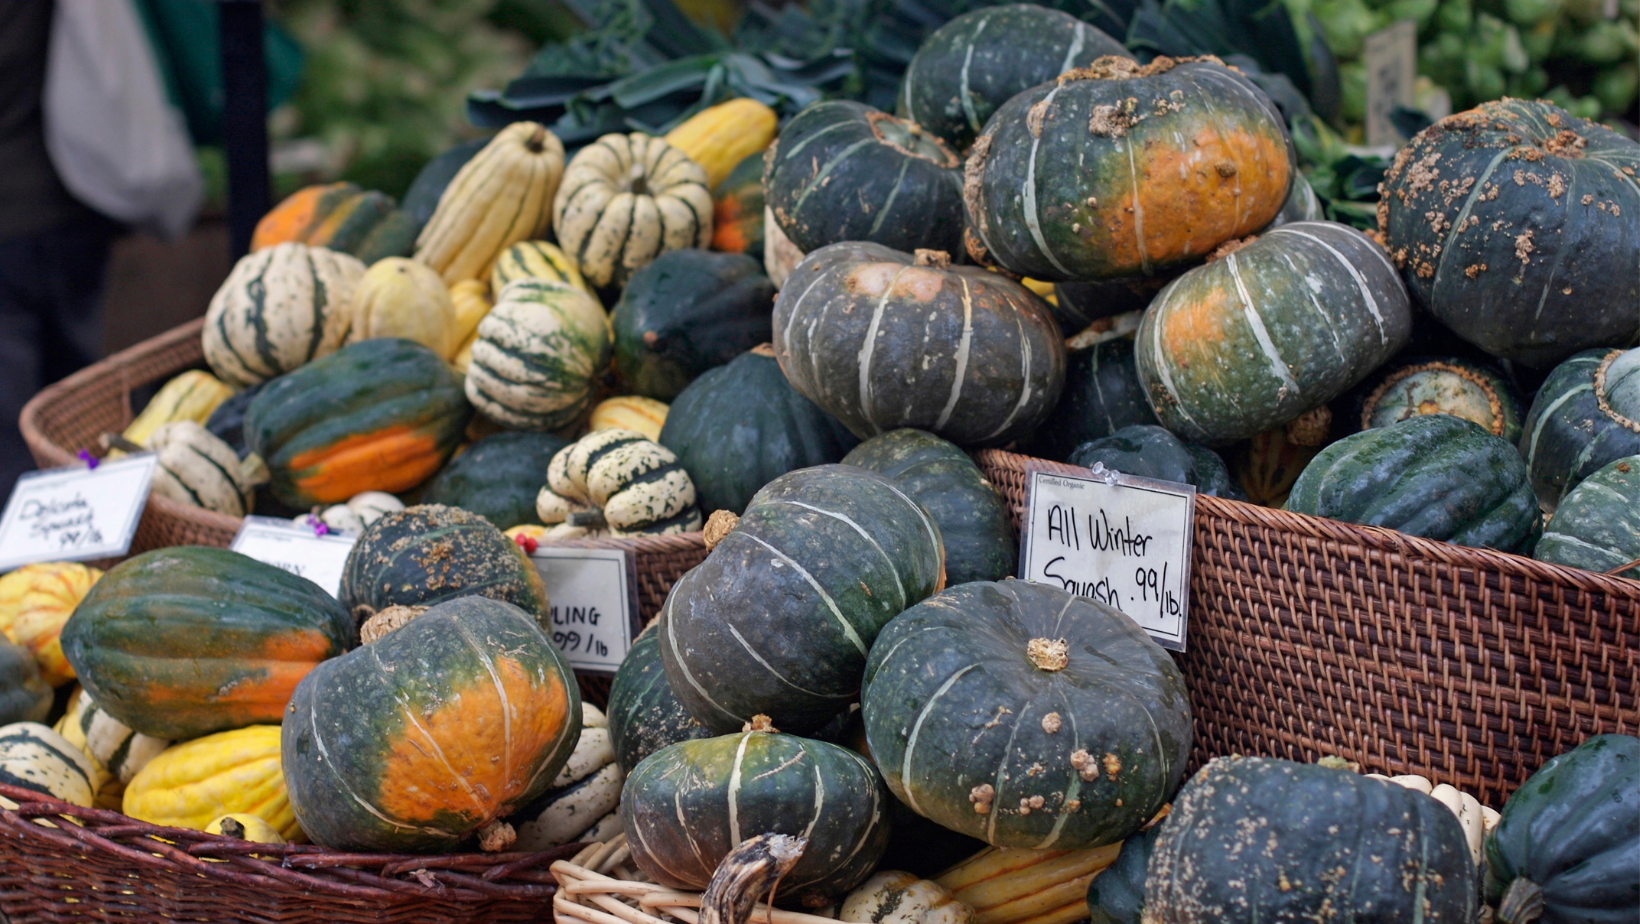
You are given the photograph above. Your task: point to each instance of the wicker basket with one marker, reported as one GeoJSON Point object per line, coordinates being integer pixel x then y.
{"type": "Point", "coordinates": [1310, 637]}
{"type": "Point", "coordinates": [69, 416]}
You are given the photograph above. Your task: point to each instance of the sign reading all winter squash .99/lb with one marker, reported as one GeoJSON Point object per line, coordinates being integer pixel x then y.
{"type": "Point", "coordinates": [1118, 539]}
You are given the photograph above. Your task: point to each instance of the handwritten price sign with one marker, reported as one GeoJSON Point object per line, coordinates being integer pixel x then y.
{"type": "Point", "coordinates": [75, 514]}
{"type": "Point", "coordinates": [593, 597]}
{"type": "Point", "coordinates": [297, 549]}
{"type": "Point", "coordinates": [1120, 540]}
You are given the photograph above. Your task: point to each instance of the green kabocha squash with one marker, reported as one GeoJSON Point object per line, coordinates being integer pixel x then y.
{"type": "Point", "coordinates": [1444, 386]}
{"type": "Point", "coordinates": [882, 340]}
{"type": "Point", "coordinates": [24, 694]}
{"type": "Point", "coordinates": [427, 554]}
{"type": "Point", "coordinates": [1597, 526]}
{"type": "Point", "coordinates": [742, 425]}
{"type": "Point", "coordinates": [1269, 331]}
{"type": "Point", "coordinates": [279, 308]}
{"type": "Point", "coordinates": [1024, 716]}
{"type": "Point", "coordinates": [1567, 847]}
{"type": "Point", "coordinates": [182, 642]}
{"type": "Point", "coordinates": [1172, 159]}
{"type": "Point", "coordinates": [1436, 476]}
{"type": "Point", "coordinates": [1515, 224]}
{"type": "Point", "coordinates": [979, 60]}
{"type": "Point", "coordinates": [1102, 395]}
{"type": "Point", "coordinates": [686, 312]}
{"type": "Point", "coordinates": [1585, 415]}
{"type": "Point", "coordinates": [1117, 893]}
{"type": "Point", "coordinates": [1255, 839]}
{"type": "Point", "coordinates": [1149, 451]}
{"type": "Point", "coordinates": [779, 618]}
{"type": "Point", "coordinates": [1302, 205]}
{"type": "Point", "coordinates": [843, 171]}
{"type": "Point", "coordinates": [687, 805]}
{"type": "Point", "coordinates": [32, 756]}
{"type": "Point", "coordinates": [972, 516]}
{"type": "Point", "coordinates": [617, 479]}
{"type": "Point", "coordinates": [497, 477]}
{"type": "Point", "coordinates": [431, 732]}
{"type": "Point", "coordinates": [381, 415]}
{"type": "Point", "coordinates": [644, 715]}
{"type": "Point", "coordinates": [737, 209]}
{"type": "Point", "coordinates": [538, 355]}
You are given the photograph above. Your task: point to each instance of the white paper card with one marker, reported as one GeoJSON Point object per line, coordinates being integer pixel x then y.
{"type": "Point", "coordinates": [295, 548]}
{"type": "Point", "coordinates": [75, 514]}
{"type": "Point", "coordinates": [593, 597]}
{"type": "Point", "coordinates": [1392, 72]}
{"type": "Point", "coordinates": [1125, 543]}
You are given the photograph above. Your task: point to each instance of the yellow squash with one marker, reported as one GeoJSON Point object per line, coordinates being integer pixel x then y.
{"type": "Point", "coordinates": [192, 395]}
{"type": "Point", "coordinates": [1013, 885]}
{"type": "Point", "coordinates": [228, 773]}
{"type": "Point", "coordinates": [502, 196]}
{"type": "Point", "coordinates": [246, 828]}
{"type": "Point", "coordinates": [630, 412]}
{"type": "Point", "coordinates": [535, 260]}
{"type": "Point", "coordinates": [402, 298]}
{"type": "Point", "coordinates": [35, 601]}
{"type": "Point", "coordinates": [722, 136]}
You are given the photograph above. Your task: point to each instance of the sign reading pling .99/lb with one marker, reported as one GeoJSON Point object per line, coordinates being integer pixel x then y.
{"type": "Point", "coordinates": [592, 596]}
{"type": "Point", "coordinates": [1118, 539]}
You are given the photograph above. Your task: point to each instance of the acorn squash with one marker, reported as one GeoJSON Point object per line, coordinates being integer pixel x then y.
{"type": "Point", "coordinates": [278, 309]}
{"type": "Point", "coordinates": [737, 209]}
{"type": "Point", "coordinates": [1585, 415]}
{"type": "Point", "coordinates": [342, 217]}
{"type": "Point", "coordinates": [35, 601]}
{"type": "Point", "coordinates": [195, 782]}
{"type": "Point", "coordinates": [497, 477]}
{"type": "Point", "coordinates": [501, 196]}
{"type": "Point", "coordinates": [1597, 525]}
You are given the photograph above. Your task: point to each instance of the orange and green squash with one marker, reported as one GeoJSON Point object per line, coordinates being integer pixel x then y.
{"type": "Point", "coordinates": [737, 209]}
{"type": "Point", "coordinates": [719, 137]}
{"type": "Point", "coordinates": [342, 217]}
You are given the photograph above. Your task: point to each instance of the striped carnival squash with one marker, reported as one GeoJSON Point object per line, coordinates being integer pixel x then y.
{"type": "Point", "coordinates": [897, 897]}
{"type": "Point", "coordinates": [342, 217]}
{"type": "Point", "coordinates": [1149, 451]}
{"type": "Point", "coordinates": [583, 800]}
{"type": "Point", "coordinates": [742, 425]}
{"type": "Point", "coordinates": [1018, 885]}
{"type": "Point", "coordinates": [35, 601]}
{"type": "Point", "coordinates": [398, 297]}
{"type": "Point", "coordinates": [278, 309]}
{"type": "Point", "coordinates": [687, 805]}
{"type": "Point", "coordinates": [197, 468]}
{"type": "Point", "coordinates": [1514, 224]}
{"type": "Point", "coordinates": [428, 554]}
{"type": "Point", "coordinates": [1449, 385]}
{"type": "Point", "coordinates": [737, 209]}
{"type": "Point", "coordinates": [820, 561]}
{"type": "Point", "coordinates": [1102, 395]}
{"type": "Point", "coordinates": [1019, 714]}
{"type": "Point", "coordinates": [33, 756]}
{"type": "Point", "coordinates": [501, 196]}
{"type": "Point", "coordinates": [644, 714]}
{"type": "Point", "coordinates": [975, 528]}
{"type": "Point", "coordinates": [627, 199]}
{"type": "Point", "coordinates": [686, 312]}
{"type": "Point", "coordinates": [115, 749]}
{"type": "Point", "coordinates": [719, 137]}
{"type": "Point", "coordinates": [843, 171]}
{"type": "Point", "coordinates": [1269, 331]}
{"type": "Point", "coordinates": [497, 477]}
{"type": "Point", "coordinates": [633, 485]}
{"type": "Point", "coordinates": [630, 412]}
{"type": "Point", "coordinates": [193, 395]}
{"type": "Point", "coordinates": [1175, 157]}
{"type": "Point", "coordinates": [1435, 475]}
{"type": "Point", "coordinates": [382, 415]}
{"type": "Point", "coordinates": [1585, 415]}
{"type": "Point", "coordinates": [24, 695]}
{"type": "Point", "coordinates": [535, 260]}
{"type": "Point", "coordinates": [881, 340]}
{"type": "Point", "coordinates": [538, 355]}
{"type": "Point", "coordinates": [185, 641]}
{"type": "Point", "coordinates": [979, 60]}
{"type": "Point", "coordinates": [430, 733]}
{"type": "Point", "coordinates": [231, 772]}
{"type": "Point", "coordinates": [1597, 525]}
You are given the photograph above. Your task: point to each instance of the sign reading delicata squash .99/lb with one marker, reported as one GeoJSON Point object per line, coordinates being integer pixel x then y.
{"type": "Point", "coordinates": [1116, 538]}
{"type": "Point", "coordinates": [75, 513]}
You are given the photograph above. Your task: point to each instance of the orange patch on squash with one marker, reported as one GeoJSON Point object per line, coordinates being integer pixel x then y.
{"type": "Point", "coordinates": [289, 220]}
{"type": "Point", "coordinates": [395, 459]}
{"type": "Point", "coordinates": [874, 279]}
{"type": "Point", "coordinates": [1190, 324]}
{"type": "Point", "coordinates": [478, 751]}
{"type": "Point", "coordinates": [726, 232]}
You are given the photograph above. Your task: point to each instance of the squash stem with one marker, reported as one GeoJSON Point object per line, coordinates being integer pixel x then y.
{"type": "Point", "coordinates": [1522, 902]}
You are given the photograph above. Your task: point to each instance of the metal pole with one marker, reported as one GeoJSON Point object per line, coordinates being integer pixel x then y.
{"type": "Point", "coordinates": [244, 119]}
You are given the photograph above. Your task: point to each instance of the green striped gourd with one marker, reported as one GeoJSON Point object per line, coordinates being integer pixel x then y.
{"type": "Point", "coordinates": [582, 801]}
{"type": "Point", "coordinates": [636, 484]}
{"type": "Point", "coordinates": [1444, 386]}
{"type": "Point", "coordinates": [1102, 395]}
{"type": "Point", "coordinates": [279, 308]}
{"type": "Point", "coordinates": [978, 61]}
{"type": "Point", "coordinates": [1025, 716]}
{"type": "Point", "coordinates": [1597, 526]}
{"type": "Point", "coordinates": [687, 805]}
{"type": "Point", "coordinates": [779, 617]}
{"type": "Point", "coordinates": [1586, 414]}
{"type": "Point", "coordinates": [1269, 331]}
{"type": "Point", "coordinates": [33, 756]}
{"type": "Point", "coordinates": [644, 715]}
{"type": "Point", "coordinates": [196, 467]}
{"type": "Point", "coordinates": [538, 354]}
{"type": "Point", "coordinates": [535, 260]}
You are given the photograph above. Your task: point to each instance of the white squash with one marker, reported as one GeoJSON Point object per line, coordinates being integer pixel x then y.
{"type": "Point", "coordinates": [637, 484]}
{"type": "Point", "coordinates": [281, 307]}
{"type": "Point", "coordinates": [197, 467]}
{"type": "Point", "coordinates": [895, 897]}
{"type": "Point", "coordinates": [33, 756]}
{"type": "Point", "coordinates": [583, 795]}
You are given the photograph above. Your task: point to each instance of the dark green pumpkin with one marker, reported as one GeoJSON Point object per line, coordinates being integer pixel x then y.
{"type": "Point", "coordinates": [227, 422]}
{"type": "Point", "coordinates": [1585, 415]}
{"type": "Point", "coordinates": [977, 61]}
{"type": "Point", "coordinates": [380, 415]}
{"type": "Point", "coordinates": [1566, 849]}
{"type": "Point", "coordinates": [430, 553]}
{"type": "Point", "coordinates": [972, 516]}
{"type": "Point", "coordinates": [1253, 839]}
{"type": "Point", "coordinates": [779, 618]}
{"type": "Point", "coordinates": [24, 694]}
{"type": "Point", "coordinates": [1078, 304]}
{"type": "Point", "coordinates": [185, 641]}
{"type": "Point", "coordinates": [1302, 205]}
{"type": "Point", "coordinates": [1514, 224]}
{"type": "Point", "coordinates": [421, 199]}
{"type": "Point", "coordinates": [497, 477]}
{"type": "Point", "coordinates": [418, 739]}
{"type": "Point", "coordinates": [843, 171]}
{"type": "Point", "coordinates": [1597, 526]}
{"type": "Point", "coordinates": [687, 805]}
{"type": "Point", "coordinates": [882, 340]}
{"type": "Point", "coordinates": [644, 715]}
{"type": "Point", "coordinates": [1117, 893]}
{"type": "Point", "coordinates": [741, 425]}
{"type": "Point", "coordinates": [737, 209]}
{"type": "Point", "coordinates": [1102, 395]}
{"type": "Point", "coordinates": [685, 313]}
{"type": "Point", "coordinates": [976, 725]}
{"type": "Point", "coordinates": [1444, 386]}
{"type": "Point", "coordinates": [1149, 451]}
{"type": "Point", "coordinates": [1436, 476]}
